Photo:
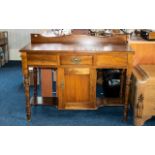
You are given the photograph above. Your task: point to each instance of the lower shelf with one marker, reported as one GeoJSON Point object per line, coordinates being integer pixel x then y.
{"type": "Point", "coordinates": [53, 101]}
{"type": "Point", "coordinates": [45, 101]}
{"type": "Point", "coordinates": [80, 106]}
{"type": "Point", "coordinates": [109, 102]}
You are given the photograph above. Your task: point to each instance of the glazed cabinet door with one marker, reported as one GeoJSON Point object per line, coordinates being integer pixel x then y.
{"type": "Point", "coordinates": [76, 88]}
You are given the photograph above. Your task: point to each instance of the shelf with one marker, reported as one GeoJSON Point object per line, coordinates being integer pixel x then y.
{"type": "Point", "coordinates": [53, 101]}
{"type": "Point", "coordinates": [109, 102]}
{"type": "Point", "coordinates": [79, 106]}
{"type": "Point", "coordinates": [44, 101]}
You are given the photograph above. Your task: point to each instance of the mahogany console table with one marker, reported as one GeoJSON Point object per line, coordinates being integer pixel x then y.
{"type": "Point", "coordinates": [76, 59]}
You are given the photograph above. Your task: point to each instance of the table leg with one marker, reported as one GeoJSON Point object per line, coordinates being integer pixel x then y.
{"type": "Point", "coordinates": [122, 83]}
{"type": "Point", "coordinates": [126, 97]}
{"type": "Point", "coordinates": [27, 94]}
{"type": "Point", "coordinates": [127, 85]}
{"type": "Point", "coordinates": [25, 71]}
{"type": "Point", "coordinates": [35, 92]}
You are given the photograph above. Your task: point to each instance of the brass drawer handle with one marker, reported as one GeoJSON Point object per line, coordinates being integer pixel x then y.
{"type": "Point", "coordinates": [76, 60]}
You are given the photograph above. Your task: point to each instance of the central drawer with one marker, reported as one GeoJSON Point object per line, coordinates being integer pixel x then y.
{"type": "Point", "coordinates": [76, 60]}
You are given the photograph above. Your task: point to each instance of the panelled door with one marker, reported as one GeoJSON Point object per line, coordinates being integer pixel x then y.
{"type": "Point", "coordinates": [76, 88]}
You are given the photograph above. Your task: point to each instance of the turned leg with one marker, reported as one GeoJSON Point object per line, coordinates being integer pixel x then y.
{"type": "Point", "coordinates": [35, 92]}
{"type": "Point", "coordinates": [25, 71]}
{"type": "Point", "coordinates": [27, 94]}
{"type": "Point", "coordinates": [127, 87]}
{"type": "Point", "coordinates": [122, 83]}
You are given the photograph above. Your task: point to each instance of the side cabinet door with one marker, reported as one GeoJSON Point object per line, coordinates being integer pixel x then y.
{"type": "Point", "coordinates": [76, 88]}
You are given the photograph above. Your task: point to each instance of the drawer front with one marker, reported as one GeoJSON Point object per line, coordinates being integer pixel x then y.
{"type": "Point", "coordinates": [42, 59]}
{"type": "Point", "coordinates": [76, 60]}
{"type": "Point", "coordinates": [111, 60]}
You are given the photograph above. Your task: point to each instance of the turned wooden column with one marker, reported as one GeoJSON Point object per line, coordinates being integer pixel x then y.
{"type": "Point", "coordinates": [26, 85]}
{"type": "Point", "coordinates": [122, 82]}
{"type": "Point", "coordinates": [127, 86]}
{"type": "Point", "coordinates": [126, 98]}
{"type": "Point", "coordinates": [35, 78]}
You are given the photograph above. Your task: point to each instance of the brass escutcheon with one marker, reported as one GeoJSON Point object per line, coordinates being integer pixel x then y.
{"type": "Point", "coordinates": [76, 60]}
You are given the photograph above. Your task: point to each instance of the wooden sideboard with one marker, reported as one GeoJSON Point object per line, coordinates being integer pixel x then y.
{"type": "Point", "coordinates": [76, 59]}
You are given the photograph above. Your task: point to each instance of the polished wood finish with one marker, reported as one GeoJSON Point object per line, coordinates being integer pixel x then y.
{"type": "Point", "coordinates": [42, 59]}
{"type": "Point", "coordinates": [46, 90]}
{"type": "Point", "coordinates": [142, 93]}
{"type": "Point", "coordinates": [35, 84]}
{"type": "Point", "coordinates": [45, 80]}
{"type": "Point", "coordinates": [76, 58]}
{"type": "Point", "coordinates": [144, 51]}
{"type": "Point", "coordinates": [25, 71]}
{"type": "Point", "coordinates": [77, 86]}
{"type": "Point", "coordinates": [100, 102]}
{"type": "Point", "coordinates": [116, 60]}
{"type": "Point", "coordinates": [127, 83]}
{"type": "Point", "coordinates": [44, 101]}
{"type": "Point", "coordinates": [83, 39]}
{"type": "Point", "coordinates": [75, 38]}
{"type": "Point", "coordinates": [46, 85]}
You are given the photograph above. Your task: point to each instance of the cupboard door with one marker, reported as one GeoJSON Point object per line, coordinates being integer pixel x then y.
{"type": "Point", "coordinates": [76, 88]}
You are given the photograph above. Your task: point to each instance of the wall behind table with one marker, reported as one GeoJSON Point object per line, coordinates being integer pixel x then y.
{"type": "Point", "coordinates": [18, 38]}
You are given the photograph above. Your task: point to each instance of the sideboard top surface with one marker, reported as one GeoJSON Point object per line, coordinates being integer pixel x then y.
{"type": "Point", "coordinates": [76, 44]}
